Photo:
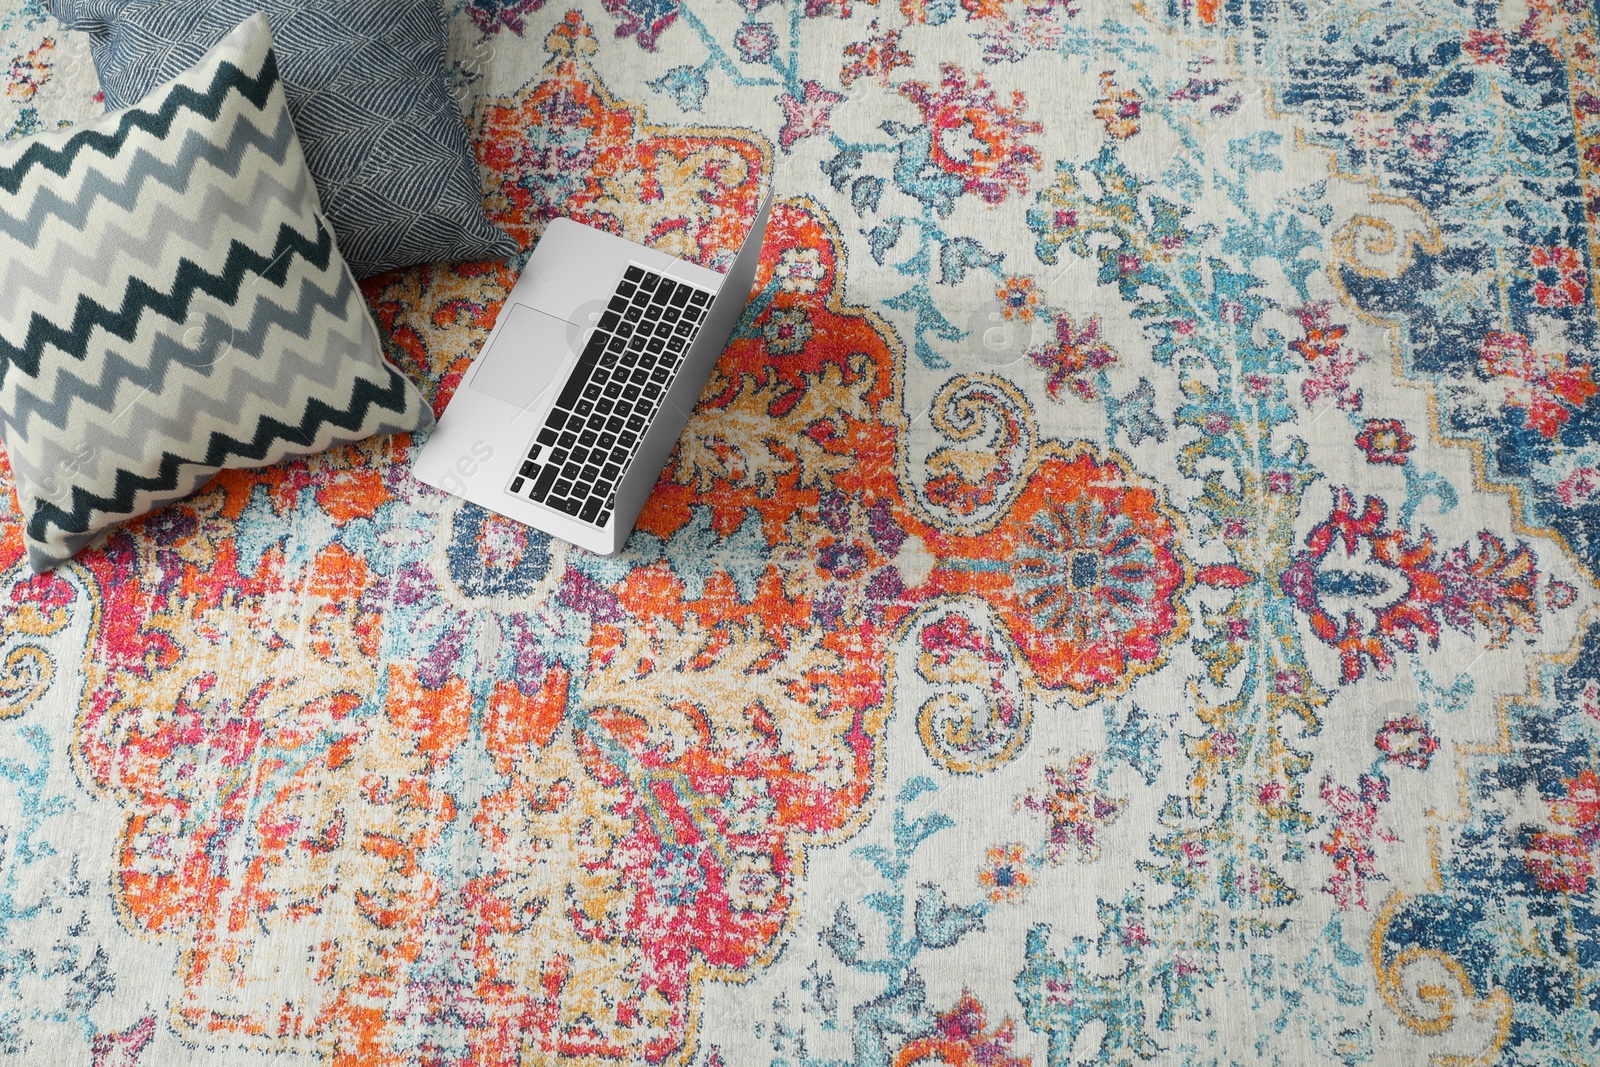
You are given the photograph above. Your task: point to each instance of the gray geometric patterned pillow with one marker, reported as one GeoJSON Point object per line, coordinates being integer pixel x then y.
{"type": "Point", "coordinates": [172, 303]}
{"type": "Point", "coordinates": [366, 86]}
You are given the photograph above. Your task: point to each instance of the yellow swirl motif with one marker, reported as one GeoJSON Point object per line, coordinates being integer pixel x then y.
{"type": "Point", "coordinates": [24, 677]}
{"type": "Point", "coordinates": [972, 485]}
{"type": "Point", "coordinates": [1432, 1008]}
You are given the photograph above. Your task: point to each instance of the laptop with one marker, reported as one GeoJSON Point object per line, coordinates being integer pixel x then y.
{"type": "Point", "coordinates": [576, 400]}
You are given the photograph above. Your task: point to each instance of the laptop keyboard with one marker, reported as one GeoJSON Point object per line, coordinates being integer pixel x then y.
{"type": "Point", "coordinates": [594, 427]}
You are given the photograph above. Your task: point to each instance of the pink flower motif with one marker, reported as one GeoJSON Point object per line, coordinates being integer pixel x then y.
{"type": "Point", "coordinates": [1371, 130]}
{"type": "Point", "coordinates": [1546, 386]}
{"type": "Point", "coordinates": [1280, 483]}
{"type": "Point", "coordinates": [1578, 486]}
{"type": "Point", "coordinates": [122, 1048]}
{"type": "Point", "coordinates": [1408, 742]}
{"type": "Point", "coordinates": [976, 137]}
{"type": "Point", "coordinates": [1560, 280]}
{"type": "Point", "coordinates": [1331, 363]}
{"type": "Point", "coordinates": [756, 41]}
{"type": "Point", "coordinates": [1076, 356]}
{"type": "Point", "coordinates": [1356, 833]}
{"type": "Point", "coordinates": [1589, 699]}
{"type": "Point", "coordinates": [1486, 47]}
{"type": "Point", "coordinates": [1426, 142]}
{"type": "Point", "coordinates": [46, 592]}
{"type": "Point", "coordinates": [1560, 862]}
{"type": "Point", "coordinates": [1385, 441]}
{"type": "Point", "coordinates": [806, 115]}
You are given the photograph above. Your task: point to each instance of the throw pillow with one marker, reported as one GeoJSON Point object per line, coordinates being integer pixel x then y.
{"type": "Point", "coordinates": [172, 303]}
{"type": "Point", "coordinates": [365, 79]}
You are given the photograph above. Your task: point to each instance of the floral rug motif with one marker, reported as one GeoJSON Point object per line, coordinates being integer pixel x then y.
{"type": "Point", "coordinates": [1128, 593]}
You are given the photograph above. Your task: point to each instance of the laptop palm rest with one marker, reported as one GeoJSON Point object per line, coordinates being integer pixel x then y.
{"type": "Point", "coordinates": [527, 352]}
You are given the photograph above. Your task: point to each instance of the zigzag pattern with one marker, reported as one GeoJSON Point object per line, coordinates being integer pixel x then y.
{"type": "Point", "coordinates": [190, 227]}
{"type": "Point", "coordinates": [117, 372]}
{"type": "Point", "coordinates": [171, 304]}
{"type": "Point", "coordinates": [193, 210]}
{"type": "Point", "coordinates": [263, 448]}
{"type": "Point", "coordinates": [123, 191]}
{"type": "Point", "coordinates": [207, 105]}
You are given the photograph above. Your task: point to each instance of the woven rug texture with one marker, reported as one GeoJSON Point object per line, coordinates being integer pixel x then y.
{"type": "Point", "coordinates": [1128, 593]}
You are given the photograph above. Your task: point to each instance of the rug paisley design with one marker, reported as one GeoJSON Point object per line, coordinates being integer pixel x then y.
{"type": "Point", "coordinates": [1128, 592]}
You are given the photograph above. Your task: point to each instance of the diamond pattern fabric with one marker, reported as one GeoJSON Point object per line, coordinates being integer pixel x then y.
{"type": "Point", "coordinates": [365, 83]}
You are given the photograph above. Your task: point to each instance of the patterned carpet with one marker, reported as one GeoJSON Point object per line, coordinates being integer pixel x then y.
{"type": "Point", "coordinates": [1128, 593]}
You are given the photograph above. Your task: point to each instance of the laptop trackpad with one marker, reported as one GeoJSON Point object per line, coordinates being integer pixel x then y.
{"type": "Point", "coordinates": [526, 354]}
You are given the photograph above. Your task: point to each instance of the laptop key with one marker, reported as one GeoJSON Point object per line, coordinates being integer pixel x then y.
{"type": "Point", "coordinates": [516, 485]}
{"type": "Point", "coordinates": [561, 488]}
{"type": "Point", "coordinates": [610, 471]}
{"type": "Point", "coordinates": [635, 422]}
{"type": "Point", "coordinates": [558, 457]}
{"type": "Point", "coordinates": [605, 442]}
{"type": "Point", "coordinates": [620, 454]}
{"type": "Point", "coordinates": [583, 408]}
{"type": "Point", "coordinates": [626, 439]}
{"type": "Point", "coordinates": [604, 517]}
{"type": "Point", "coordinates": [546, 479]}
{"type": "Point", "coordinates": [530, 469]}
{"type": "Point", "coordinates": [633, 273]}
{"type": "Point", "coordinates": [590, 509]}
{"type": "Point", "coordinates": [699, 297]}
{"type": "Point", "coordinates": [649, 281]}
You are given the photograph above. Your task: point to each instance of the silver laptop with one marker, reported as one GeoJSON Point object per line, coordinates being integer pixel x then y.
{"type": "Point", "coordinates": [570, 411]}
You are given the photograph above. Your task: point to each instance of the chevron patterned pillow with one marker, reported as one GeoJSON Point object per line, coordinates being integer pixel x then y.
{"type": "Point", "coordinates": [366, 86]}
{"type": "Point", "coordinates": [172, 304]}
